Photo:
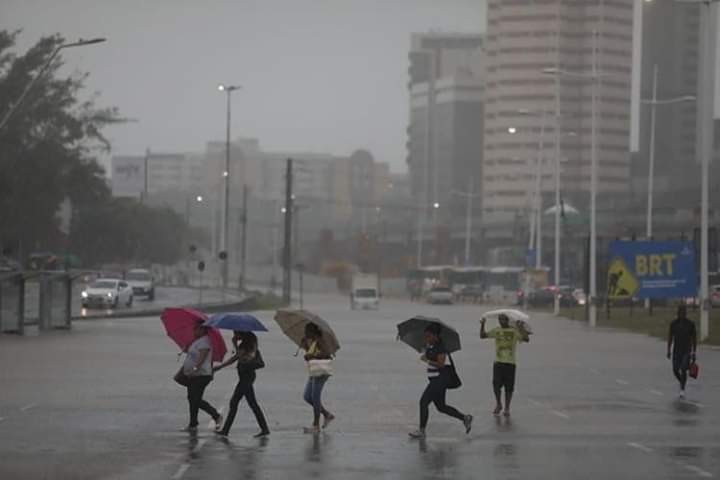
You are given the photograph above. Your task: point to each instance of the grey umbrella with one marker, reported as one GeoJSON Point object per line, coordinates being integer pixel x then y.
{"type": "Point", "coordinates": [293, 322]}
{"type": "Point", "coordinates": [412, 332]}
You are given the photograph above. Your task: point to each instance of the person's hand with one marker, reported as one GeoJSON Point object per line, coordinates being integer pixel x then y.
{"type": "Point", "coordinates": [306, 357]}
{"type": "Point", "coordinates": [692, 358]}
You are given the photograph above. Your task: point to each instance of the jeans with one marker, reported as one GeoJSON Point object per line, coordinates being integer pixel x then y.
{"type": "Point", "coordinates": [435, 393]}
{"type": "Point", "coordinates": [244, 388]}
{"type": "Point", "coordinates": [313, 396]}
{"type": "Point", "coordinates": [195, 392]}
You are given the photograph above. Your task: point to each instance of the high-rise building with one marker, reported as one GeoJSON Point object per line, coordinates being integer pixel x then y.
{"type": "Point", "coordinates": [524, 39]}
{"type": "Point", "coordinates": [445, 132]}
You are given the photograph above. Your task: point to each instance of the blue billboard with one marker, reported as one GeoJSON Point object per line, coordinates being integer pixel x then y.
{"type": "Point", "coordinates": [640, 269]}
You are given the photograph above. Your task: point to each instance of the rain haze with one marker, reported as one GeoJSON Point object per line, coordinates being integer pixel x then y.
{"type": "Point", "coordinates": [352, 240]}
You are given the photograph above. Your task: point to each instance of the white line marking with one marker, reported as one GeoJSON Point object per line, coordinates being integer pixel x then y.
{"type": "Point", "coordinates": [640, 446]}
{"type": "Point", "coordinates": [595, 371]}
{"type": "Point", "coordinates": [535, 402]}
{"type": "Point", "coordinates": [181, 471]}
{"type": "Point", "coordinates": [560, 414]}
{"type": "Point", "coordinates": [656, 392]}
{"type": "Point", "coordinates": [28, 407]}
{"type": "Point", "coordinates": [699, 471]}
{"type": "Point", "coordinates": [620, 381]}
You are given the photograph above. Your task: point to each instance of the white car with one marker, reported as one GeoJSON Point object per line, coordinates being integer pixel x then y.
{"type": "Point", "coordinates": [364, 299]}
{"type": "Point", "coordinates": [440, 295]}
{"type": "Point", "coordinates": [141, 282]}
{"type": "Point", "coordinates": [107, 292]}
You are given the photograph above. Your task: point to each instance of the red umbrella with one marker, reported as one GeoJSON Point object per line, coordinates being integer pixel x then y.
{"type": "Point", "coordinates": [179, 325]}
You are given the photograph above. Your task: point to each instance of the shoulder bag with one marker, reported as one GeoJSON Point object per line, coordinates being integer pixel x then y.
{"type": "Point", "coordinates": [450, 375]}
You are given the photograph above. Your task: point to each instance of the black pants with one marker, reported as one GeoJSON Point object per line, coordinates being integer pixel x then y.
{"type": "Point", "coordinates": [503, 377]}
{"type": "Point", "coordinates": [195, 392]}
{"type": "Point", "coordinates": [435, 393]}
{"type": "Point", "coordinates": [681, 364]}
{"type": "Point", "coordinates": [244, 388]}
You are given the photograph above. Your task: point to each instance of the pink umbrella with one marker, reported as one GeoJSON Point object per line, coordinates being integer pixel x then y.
{"type": "Point", "coordinates": [179, 325]}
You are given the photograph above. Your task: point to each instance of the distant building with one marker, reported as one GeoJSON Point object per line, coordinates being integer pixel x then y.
{"type": "Point", "coordinates": [166, 172]}
{"type": "Point", "coordinates": [445, 132]}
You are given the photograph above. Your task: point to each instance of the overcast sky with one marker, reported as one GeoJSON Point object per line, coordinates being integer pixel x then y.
{"type": "Point", "coordinates": [321, 75]}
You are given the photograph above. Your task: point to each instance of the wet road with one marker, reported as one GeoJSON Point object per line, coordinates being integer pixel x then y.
{"type": "Point", "coordinates": [98, 402]}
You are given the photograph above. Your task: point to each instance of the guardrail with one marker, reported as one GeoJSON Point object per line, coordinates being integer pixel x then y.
{"type": "Point", "coordinates": [35, 298]}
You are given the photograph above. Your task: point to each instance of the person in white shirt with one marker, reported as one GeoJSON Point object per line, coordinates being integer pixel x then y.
{"type": "Point", "coordinates": [198, 368]}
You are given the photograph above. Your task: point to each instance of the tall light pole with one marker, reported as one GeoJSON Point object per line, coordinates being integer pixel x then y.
{"type": "Point", "coordinates": [228, 89]}
{"type": "Point", "coordinates": [468, 196]}
{"type": "Point", "coordinates": [19, 101]}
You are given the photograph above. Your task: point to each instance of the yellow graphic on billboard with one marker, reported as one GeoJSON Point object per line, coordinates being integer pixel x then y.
{"type": "Point", "coordinates": [622, 282]}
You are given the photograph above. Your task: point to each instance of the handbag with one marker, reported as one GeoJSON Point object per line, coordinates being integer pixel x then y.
{"type": "Point", "coordinates": [256, 363]}
{"type": "Point", "coordinates": [450, 375]}
{"type": "Point", "coordinates": [320, 367]}
{"type": "Point", "coordinates": [181, 379]}
{"type": "Point", "coordinates": [694, 370]}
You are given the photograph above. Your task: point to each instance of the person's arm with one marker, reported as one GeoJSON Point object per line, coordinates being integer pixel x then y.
{"type": "Point", "coordinates": [203, 355]}
{"type": "Point", "coordinates": [694, 342]}
{"type": "Point", "coordinates": [483, 333]}
{"type": "Point", "coordinates": [439, 361]}
{"type": "Point", "coordinates": [226, 363]}
{"type": "Point", "coordinates": [524, 336]}
{"type": "Point", "coordinates": [670, 340]}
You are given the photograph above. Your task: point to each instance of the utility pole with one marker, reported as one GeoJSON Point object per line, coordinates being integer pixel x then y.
{"type": "Point", "coordinates": [243, 247]}
{"type": "Point", "coordinates": [287, 253]}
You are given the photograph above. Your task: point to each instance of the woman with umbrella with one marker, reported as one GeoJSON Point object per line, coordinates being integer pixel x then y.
{"type": "Point", "coordinates": [198, 368]}
{"type": "Point", "coordinates": [248, 358]}
{"type": "Point", "coordinates": [319, 368]}
{"type": "Point", "coordinates": [435, 356]}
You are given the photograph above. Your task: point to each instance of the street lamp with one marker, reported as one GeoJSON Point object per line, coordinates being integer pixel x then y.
{"type": "Point", "coordinates": [14, 106]}
{"type": "Point", "coordinates": [198, 199]}
{"type": "Point", "coordinates": [228, 89]}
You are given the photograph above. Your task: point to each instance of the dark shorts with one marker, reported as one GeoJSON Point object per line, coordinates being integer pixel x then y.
{"type": "Point", "coordinates": [681, 361]}
{"type": "Point", "coordinates": [504, 376]}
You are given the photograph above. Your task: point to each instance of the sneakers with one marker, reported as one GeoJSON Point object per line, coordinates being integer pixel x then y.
{"type": "Point", "coordinates": [218, 423]}
{"type": "Point", "coordinates": [467, 421]}
{"type": "Point", "coordinates": [221, 433]}
{"type": "Point", "coordinates": [262, 434]}
{"type": "Point", "coordinates": [682, 395]}
{"type": "Point", "coordinates": [328, 420]}
{"type": "Point", "coordinates": [417, 434]}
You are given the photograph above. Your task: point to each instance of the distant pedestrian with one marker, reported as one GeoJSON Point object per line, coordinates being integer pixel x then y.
{"type": "Point", "coordinates": [319, 369]}
{"type": "Point", "coordinates": [249, 359]}
{"type": "Point", "coordinates": [504, 368]}
{"type": "Point", "coordinates": [682, 338]}
{"type": "Point", "coordinates": [198, 368]}
{"type": "Point", "coordinates": [436, 358]}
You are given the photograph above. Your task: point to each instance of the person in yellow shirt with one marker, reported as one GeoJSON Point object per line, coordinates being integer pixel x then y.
{"type": "Point", "coordinates": [506, 340]}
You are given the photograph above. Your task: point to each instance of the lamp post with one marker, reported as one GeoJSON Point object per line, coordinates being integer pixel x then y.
{"type": "Point", "coordinates": [469, 196]}
{"type": "Point", "coordinates": [198, 199]}
{"type": "Point", "coordinates": [228, 89]}
{"type": "Point", "coordinates": [19, 101]}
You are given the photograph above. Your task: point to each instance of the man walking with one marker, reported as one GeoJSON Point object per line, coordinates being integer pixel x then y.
{"type": "Point", "coordinates": [683, 340]}
{"type": "Point", "coordinates": [506, 340]}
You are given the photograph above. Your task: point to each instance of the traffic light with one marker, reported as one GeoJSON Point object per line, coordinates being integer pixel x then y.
{"type": "Point", "coordinates": [223, 255]}
{"type": "Point", "coordinates": [201, 266]}
{"type": "Point", "coordinates": [193, 249]}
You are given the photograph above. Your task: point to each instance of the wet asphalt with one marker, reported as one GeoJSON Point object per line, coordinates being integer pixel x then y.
{"type": "Point", "coordinates": [99, 402]}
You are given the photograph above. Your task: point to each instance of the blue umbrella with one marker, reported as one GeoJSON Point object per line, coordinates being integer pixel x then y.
{"type": "Point", "coordinates": [242, 322]}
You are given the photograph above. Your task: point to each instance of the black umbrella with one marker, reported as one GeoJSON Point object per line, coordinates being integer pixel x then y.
{"type": "Point", "coordinates": [412, 332]}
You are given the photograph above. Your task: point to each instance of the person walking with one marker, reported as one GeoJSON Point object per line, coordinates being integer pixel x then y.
{"type": "Point", "coordinates": [249, 360]}
{"type": "Point", "coordinates": [682, 339]}
{"type": "Point", "coordinates": [504, 368]}
{"type": "Point", "coordinates": [320, 369]}
{"type": "Point", "coordinates": [198, 368]}
{"type": "Point", "coordinates": [435, 357]}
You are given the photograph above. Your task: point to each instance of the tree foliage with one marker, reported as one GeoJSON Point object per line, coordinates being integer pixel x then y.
{"type": "Point", "coordinates": [48, 153]}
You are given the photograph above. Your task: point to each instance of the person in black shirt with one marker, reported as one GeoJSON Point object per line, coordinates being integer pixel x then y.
{"type": "Point", "coordinates": [435, 357]}
{"type": "Point", "coordinates": [682, 338]}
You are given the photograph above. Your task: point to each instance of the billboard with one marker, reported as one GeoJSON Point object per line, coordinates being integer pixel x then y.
{"type": "Point", "coordinates": [640, 269]}
{"type": "Point", "coordinates": [128, 176]}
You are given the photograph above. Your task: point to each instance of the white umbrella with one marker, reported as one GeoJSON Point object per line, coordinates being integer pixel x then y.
{"type": "Point", "coordinates": [567, 208]}
{"type": "Point", "coordinates": [518, 319]}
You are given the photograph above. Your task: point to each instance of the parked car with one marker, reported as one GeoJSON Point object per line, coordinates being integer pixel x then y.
{"type": "Point", "coordinates": [542, 297]}
{"type": "Point", "coordinates": [715, 295]}
{"type": "Point", "coordinates": [142, 283]}
{"type": "Point", "coordinates": [107, 292]}
{"type": "Point", "coordinates": [440, 295]}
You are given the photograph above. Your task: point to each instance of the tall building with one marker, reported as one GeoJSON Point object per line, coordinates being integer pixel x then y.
{"type": "Point", "coordinates": [445, 132]}
{"type": "Point", "coordinates": [524, 39]}
{"type": "Point", "coordinates": [157, 173]}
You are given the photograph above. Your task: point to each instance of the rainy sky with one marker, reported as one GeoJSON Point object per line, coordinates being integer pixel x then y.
{"type": "Point", "coordinates": [317, 75]}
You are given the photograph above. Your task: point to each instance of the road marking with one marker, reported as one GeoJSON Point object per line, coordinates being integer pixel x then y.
{"type": "Point", "coordinates": [535, 402]}
{"type": "Point", "coordinates": [560, 414]}
{"type": "Point", "coordinates": [620, 381]}
{"type": "Point", "coordinates": [28, 407]}
{"type": "Point", "coordinates": [656, 392]}
{"type": "Point", "coordinates": [181, 471]}
{"type": "Point", "coordinates": [595, 371]}
{"type": "Point", "coordinates": [2, 418]}
{"type": "Point", "coordinates": [699, 471]}
{"type": "Point", "coordinates": [695, 404]}
{"type": "Point", "coordinates": [640, 446]}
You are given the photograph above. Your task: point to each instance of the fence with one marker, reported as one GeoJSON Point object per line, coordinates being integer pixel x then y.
{"type": "Point", "coordinates": [42, 299]}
